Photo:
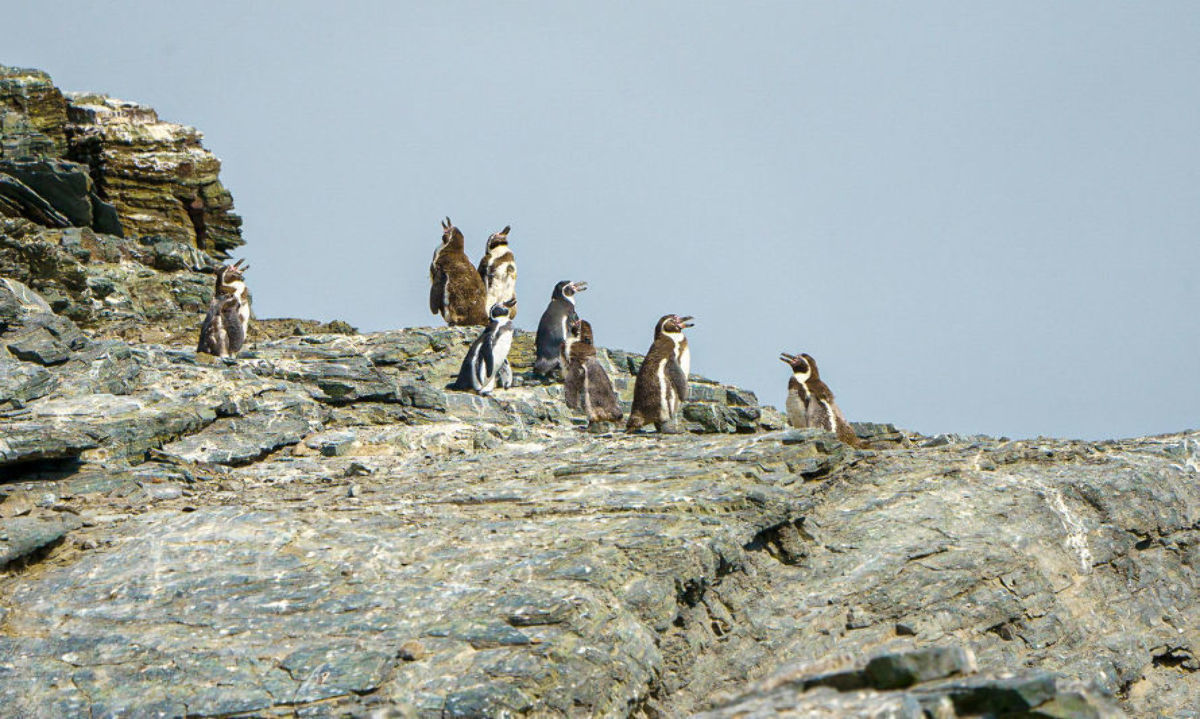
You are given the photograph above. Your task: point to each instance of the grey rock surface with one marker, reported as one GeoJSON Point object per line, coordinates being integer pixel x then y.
{"type": "Point", "coordinates": [319, 527]}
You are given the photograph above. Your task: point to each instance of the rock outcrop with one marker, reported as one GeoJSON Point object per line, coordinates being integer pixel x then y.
{"type": "Point", "coordinates": [85, 160]}
{"type": "Point", "coordinates": [319, 528]}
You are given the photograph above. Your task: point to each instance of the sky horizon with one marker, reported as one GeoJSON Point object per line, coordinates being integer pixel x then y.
{"type": "Point", "coordinates": [978, 219]}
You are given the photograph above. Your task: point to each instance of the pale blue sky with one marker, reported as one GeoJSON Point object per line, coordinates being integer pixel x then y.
{"type": "Point", "coordinates": [978, 217]}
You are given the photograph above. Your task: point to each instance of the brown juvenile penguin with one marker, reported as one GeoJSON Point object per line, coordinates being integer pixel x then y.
{"type": "Point", "coordinates": [810, 401]}
{"type": "Point", "coordinates": [498, 269]}
{"type": "Point", "coordinates": [586, 386]}
{"type": "Point", "coordinates": [456, 290]}
{"type": "Point", "coordinates": [228, 321]}
{"type": "Point", "coordinates": [661, 387]}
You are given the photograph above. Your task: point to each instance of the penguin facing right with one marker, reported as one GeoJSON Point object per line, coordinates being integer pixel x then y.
{"type": "Point", "coordinates": [498, 269]}
{"type": "Point", "coordinates": [552, 329]}
{"type": "Point", "coordinates": [661, 386]}
{"type": "Point", "coordinates": [810, 401]}
{"type": "Point", "coordinates": [487, 359]}
{"type": "Point", "coordinates": [586, 386]}
{"type": "Point", "coordinates": [456, 290]}
{"type": "Point", "coordinates": [228, 321]}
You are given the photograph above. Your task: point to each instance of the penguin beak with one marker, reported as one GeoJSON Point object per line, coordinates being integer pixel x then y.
{"type": "Point", "coordinates": [686, 322]}
{"type": "Point", "coordinates": [786, 358]}
{"type": "Point", "coordinates": [579, 286]}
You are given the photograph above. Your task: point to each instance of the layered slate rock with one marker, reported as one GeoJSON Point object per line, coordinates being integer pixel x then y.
{"type": "Point", "coordinates": [89, 160]}
{"type": "Point", "coordinates": [157, 174]}
{"type": "Point", "coordinates": [33, 114]}
{"type": "Point", "coordinates": [320, 526]}
{"type": "Point", "coordinates": [114, 215]}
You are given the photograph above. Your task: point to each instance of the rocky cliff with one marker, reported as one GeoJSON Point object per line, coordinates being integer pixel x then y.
{"type": "Point", "coordinates": [319, 528]}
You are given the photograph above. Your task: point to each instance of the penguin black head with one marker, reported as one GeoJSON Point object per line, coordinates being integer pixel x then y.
{"type": "Point", "coordinates": [803, 365]}
{"type": "Point", "coordinates": [672, 324]}
{"type": "Point", "coordinates": [452, 237]}
{"type": "Point", "coordinates": [501, 310]}
{"type": "Point", "coordinates": [566, 290]}
{"type": "Point", "coordinates": [229, 274]}
{"type": "Point", "coordinates": [498, 239]}
{"type": "Point", "coordinates": [581, 331]}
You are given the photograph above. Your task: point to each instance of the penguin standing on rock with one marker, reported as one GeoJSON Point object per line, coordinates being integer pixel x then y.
{"type": "Point", "coordinates": [224, 330]}
{"type": "Point", "coordinates": [552, 329]}
{"type": "Point", "coordinates": [661, 387]}
{"type": "Point", "coordinates": [498, 269]}
{"type": "Point", "coordinates": [810, 401]}
{"type": "Point", "coordinates": [456, 290]}
{"type": "Point", "coordinates": [487, 359]}
{"type": "Point", "coordinates": [586, 386]}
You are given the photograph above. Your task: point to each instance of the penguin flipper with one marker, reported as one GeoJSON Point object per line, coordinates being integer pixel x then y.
{"type": "Point", "coordinates": [678, 379]}
{"type": "Point", "coordinates": [205, 343]}
{"type": "Point", "coordinates": [573, 385]}
{"type": "Point", "coordinates": [235, 335]}
{"type": "Point", "coordinates": [488, 350]}
{"type": "Point", "coordinates": [212, 331]}
{"type": "Point", "coordinates": [465, 381]}
{"type": "Point", "coordinates": [437, 289]}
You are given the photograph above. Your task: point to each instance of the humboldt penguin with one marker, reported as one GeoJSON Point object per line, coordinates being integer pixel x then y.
{"type": "Point", "coordinates": [499, 270]}
{"type": "Point", "coordinates": [810, 401]}
{"type": "Point", "coordinates": [456, 290]}
{"type": "Point", "coordinates": [552, 329]}
{"type": "Point", "coordinates": [661, 387]}
{"type": "Point", "coordinates": [487, 359]}
{"type": "Point", "coordinates": [228, 321]}
{"type": "Point", "coordinates": [586, 386]}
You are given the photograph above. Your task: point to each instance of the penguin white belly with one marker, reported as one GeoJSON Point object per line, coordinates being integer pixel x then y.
{"type": "Point", "coordinates": [685, 362]}
{"type": "Point", "coordinates": [502, 282]}
{"type": "Point", "coordinates": [796, 411]}
{"type": "Point", "coordinates": [499, 353]}
{"type": "Point", "coordinates": [244, 315]}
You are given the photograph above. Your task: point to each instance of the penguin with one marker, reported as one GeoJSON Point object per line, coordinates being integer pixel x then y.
{"type": "Point", "coordinates": [228, 321]}
{"type": "Point", "coordinates": [552, 329]}
{"type": "Point", "coordinates": [810, 401]}
{"type": "Point", "coordinates": [456, 290]}
{"type": "Point", "coordinates": [661, 386]}
{"type": "Point", "coordinates": [499, 270]}
{"type": "Point", "coordinates": [586, 386]}
{"type": "Point", "coordinates": [487, 359]}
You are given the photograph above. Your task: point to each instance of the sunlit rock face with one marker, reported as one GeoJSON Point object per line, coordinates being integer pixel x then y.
{"type": "Point", "coordinates": [89, 160]}
{"type": "Point", "coordinates": [157, 174]}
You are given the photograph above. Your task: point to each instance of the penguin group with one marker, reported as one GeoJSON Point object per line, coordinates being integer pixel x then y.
{"type": "Point", "coordinates": [466, 294]}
